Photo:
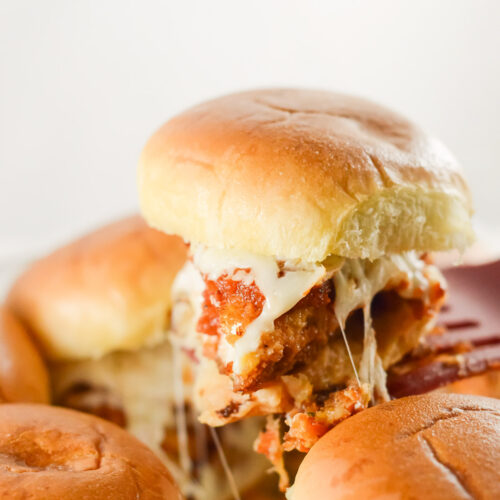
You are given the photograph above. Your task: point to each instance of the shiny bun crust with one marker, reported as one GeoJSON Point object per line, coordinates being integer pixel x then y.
{"type": "Point", "coordinates": [23, 374]}
{"type": "Point", "coordinates": [303, 174]}
{"type": "Point", "coordinates": [49, 452]}
{"type": "Point", "coordinates": [107, 291]}
{"type": "Point", "coordinates": [433, 446]}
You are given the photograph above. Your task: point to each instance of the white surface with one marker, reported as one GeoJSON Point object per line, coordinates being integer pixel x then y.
{"type": "Point", "coordinates": [83, 84]}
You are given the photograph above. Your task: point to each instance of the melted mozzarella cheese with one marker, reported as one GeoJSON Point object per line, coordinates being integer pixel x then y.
{"type": "Point", "coordinates": [356, 283]}
{"type": "Point", "coordinates": [281, 290]}
{"type": "Point", "coordinates": [371, 370]}
{"type": "Point", "coordinates": [141, 381]}
{"type": "Point", "coordinates": [187, 297]}
{"type": "Point", "coordinates": [359, 280]}
{"type": "Point", "coordinates": [283, 285]}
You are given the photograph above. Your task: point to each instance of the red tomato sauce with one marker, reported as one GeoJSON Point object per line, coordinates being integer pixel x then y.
{"type": "Point", "coordinates": [229, 306]}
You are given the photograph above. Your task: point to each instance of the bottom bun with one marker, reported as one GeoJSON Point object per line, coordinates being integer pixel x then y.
{"type": "Point", "coordinates": [49, 452]}
{"type": "Point", "coordinates": [433, 446]}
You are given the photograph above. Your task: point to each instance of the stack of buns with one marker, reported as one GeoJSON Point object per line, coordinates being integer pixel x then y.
{"type": "Point", "coordinates": [280, 282]}
{"type": "Point", "coordinates": [99, 308]}
{"type": "Point", "coordinates": [49, 452]}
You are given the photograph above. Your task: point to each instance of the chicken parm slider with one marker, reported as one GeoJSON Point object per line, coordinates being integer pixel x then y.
{"type": "Point", "coordinates": [23, 373]}
{"type": "Point", "coordinates": [100, 309]}
{"type": "Point", "coordinates": [60, 454]}
{"type": "Point", "coordinates": [309, 215]}
{"type": "Point", "coordinates": [431, 447]}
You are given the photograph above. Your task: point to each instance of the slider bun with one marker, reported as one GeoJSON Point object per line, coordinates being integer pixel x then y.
{"type": "Point", "coordinates": [487, 384]}
{"type": "Point", "coordinates": [434, 446]}
{"type": "Point", "coordinates": [49, 452]}
{"type": "Point", "coordinates": [23, 374]}
{"type": "Point", "coordinates": [303, 174]}
{"type": "Point", "coordinates": [107, 291]}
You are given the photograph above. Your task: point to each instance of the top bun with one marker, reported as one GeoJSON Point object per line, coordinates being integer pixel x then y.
{"type": "Point", "coordinates": [107, 291]}
{"type": "Point", "coordinates": [303, 174]}
{"type": "Point", "coordinates": [433, 446]}
{"type": "Point", "coordinates": [58, 454]}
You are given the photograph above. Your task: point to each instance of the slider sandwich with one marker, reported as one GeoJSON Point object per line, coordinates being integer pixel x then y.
{"type": "Point", "coordinates": [100, 310]}
{"type": "Point", "coordinates": [17, 352]}
{"type": "Point", "coordinates": [309, 216]}
{"type": "Point", "coordinates": [60, 454]}
{"type": "Point", "coordinates": [432, 447]}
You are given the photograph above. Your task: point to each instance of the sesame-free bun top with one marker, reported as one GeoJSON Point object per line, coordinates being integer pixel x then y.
{"type": "Point", "coordinates": [23, 374]}
{"type": "Point", "coordinates": [48, 452]}
{"type": "Point", "coordinates": [433, 446]}
{"type": "Point", "coordinates": [107, 291]}
{"type": "Point", "coordinates": [303, 174]}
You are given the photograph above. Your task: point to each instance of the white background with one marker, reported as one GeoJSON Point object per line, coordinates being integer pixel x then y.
{"type": "Point", "coordinates": [84, 83]}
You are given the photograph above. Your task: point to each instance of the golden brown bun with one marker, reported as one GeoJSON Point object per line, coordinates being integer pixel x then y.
{"type": "Point", "coordinates": [23, 374]}
{"type": "Point", "coordinates": [48, 452]}
{"type": "Point", "coordinates": [487, 385]}
{"type": "Point", "coordinates": [303, 174]}
{"type": "Point", "coordinates": [432, 447]}
{"type": "Point", "coordinates": [107, 291]}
